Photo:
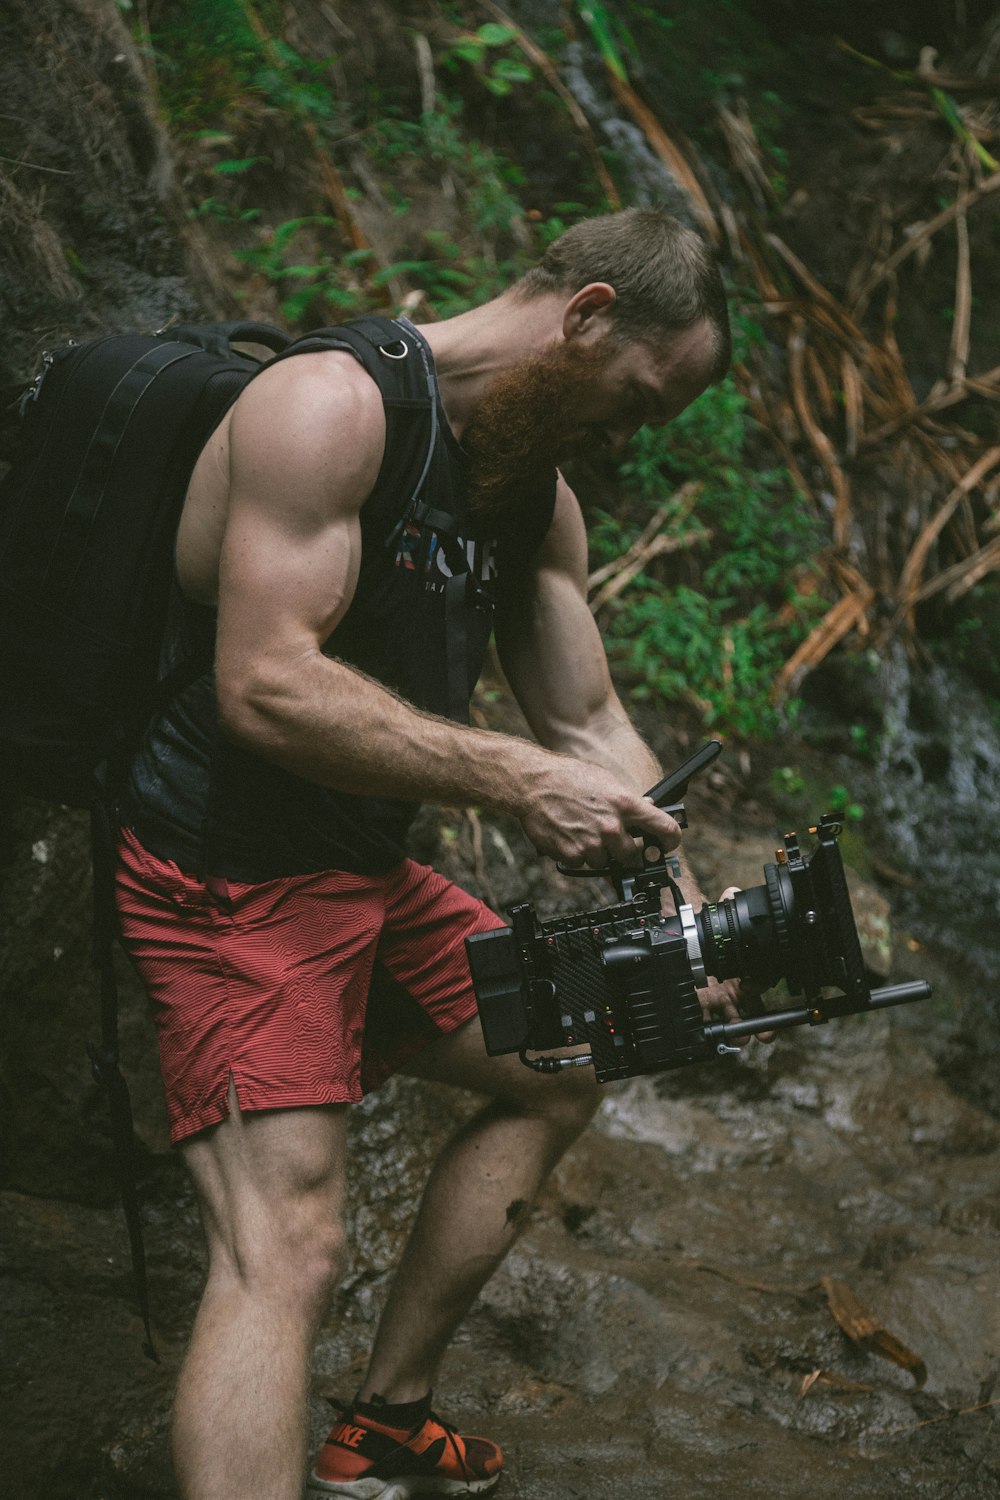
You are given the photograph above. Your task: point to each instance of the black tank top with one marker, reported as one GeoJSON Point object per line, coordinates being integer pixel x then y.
{"type": "Point", "coordinates": [419, 622]}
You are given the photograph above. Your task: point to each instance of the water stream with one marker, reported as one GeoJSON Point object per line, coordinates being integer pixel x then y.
{"type": "Point", "coordinates": [938, 788]}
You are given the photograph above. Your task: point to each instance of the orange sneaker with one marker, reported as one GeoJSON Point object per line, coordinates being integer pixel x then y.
{"type": "Point", "coordinates": [371, 1460]}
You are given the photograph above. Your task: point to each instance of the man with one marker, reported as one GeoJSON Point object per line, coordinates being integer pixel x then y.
{"type": "Point", "coordinates": [263, 882]}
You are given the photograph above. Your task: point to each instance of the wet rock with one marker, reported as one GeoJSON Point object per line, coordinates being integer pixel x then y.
{"type": "Point", "coordinates": [872, 916]}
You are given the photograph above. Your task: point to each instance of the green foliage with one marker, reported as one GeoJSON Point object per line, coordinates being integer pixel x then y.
{"type": "Point", "coordinates": [487, 181]}
{"type": "Point", "coordinates": [297, 85]}
{"type": "Point", "coordinates": [718, 636]}
{"type": "Point", "coordinates": [691, 66]}
{"type": "Point", "coordinates": [211, 64]}
{"type": "Point", "coordinates": [322, 288]}
{"type": "Point", "coordinates": [839, 800]}
{"type": "Point", "coordinates": [612, 38]}
{"type": "Point", "coordinates": [787, 781]}
{"type": "Point", "coordinates": [499, 74]}
{"type": "Point", "coordinates": [453, 277]}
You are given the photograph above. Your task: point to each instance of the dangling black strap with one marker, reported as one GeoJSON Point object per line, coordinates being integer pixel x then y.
{"type": "Point", "coordinates": [456, 617]}
{"type": "Point", "coordinates": [88, 492]}
{"type": "Point", "coordinates": [104, 1055]}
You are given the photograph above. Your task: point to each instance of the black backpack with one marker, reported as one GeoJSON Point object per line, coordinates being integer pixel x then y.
{"type": "Point", "coordinates": [110, 433]}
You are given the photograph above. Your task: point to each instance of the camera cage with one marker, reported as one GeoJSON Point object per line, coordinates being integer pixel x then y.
{"type": "Point", "coordinates": [621, 981]}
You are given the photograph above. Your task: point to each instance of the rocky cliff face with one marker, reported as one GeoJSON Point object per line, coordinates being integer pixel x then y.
{"type": "Point", "coordinates": [663, 1311]}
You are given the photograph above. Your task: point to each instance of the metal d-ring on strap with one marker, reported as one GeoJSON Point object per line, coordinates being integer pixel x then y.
{"type": "Point", "coordinates": [387, 349]}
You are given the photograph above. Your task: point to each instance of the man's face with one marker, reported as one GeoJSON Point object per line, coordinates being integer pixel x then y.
{"type": "Point", "coordinates": [577, 396]}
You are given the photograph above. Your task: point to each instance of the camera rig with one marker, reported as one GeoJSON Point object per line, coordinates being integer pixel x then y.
{"type": "Point", "coordinates": [623, 980]}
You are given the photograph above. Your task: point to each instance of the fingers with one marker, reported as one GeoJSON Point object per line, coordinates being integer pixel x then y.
{"type": "Point", "coordinates": [718, 1000]}
{"type": "Point", "coordinates": [651, 822]}
{"type": "Point", "coordinates": [733, 1000]}
{"type": "Point", "coordinates": [750, 1003]}
{"type": "Point", "coordinates": [582, 816]}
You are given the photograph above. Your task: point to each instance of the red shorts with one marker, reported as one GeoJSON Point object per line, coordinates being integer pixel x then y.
{"type": "Point", "coordinates": [310, 990]}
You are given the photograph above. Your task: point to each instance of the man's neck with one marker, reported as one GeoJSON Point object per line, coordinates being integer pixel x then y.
{"type": "Point", "coordinates": [473, 348]}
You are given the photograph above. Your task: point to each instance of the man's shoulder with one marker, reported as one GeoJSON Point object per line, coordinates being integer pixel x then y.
{"type": "Point", "coordinates": [325, 378]}
{"type": "Point", "coordinates": [309, 430]}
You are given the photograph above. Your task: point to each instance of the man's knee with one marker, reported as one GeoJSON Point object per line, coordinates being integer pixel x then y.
{"type": "Point", "coordinates": [567, 1101]}
{"type": "Point", "coordinates": [293, 1253]}
{"type": "Point", "coordinates": [579, 1096]}
{"type": "Point", "coordinates": [311, 1257]}
{"type": "Point", "coordinates": [270, 1187]}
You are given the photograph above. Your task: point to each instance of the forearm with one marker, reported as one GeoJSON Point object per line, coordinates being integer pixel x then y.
{"type": "Point", "coordinates": [610, 740]}
{"type": "Point", "coordinates": [332, 724]}
{"type": "Point", "coordinates": [607, 738]}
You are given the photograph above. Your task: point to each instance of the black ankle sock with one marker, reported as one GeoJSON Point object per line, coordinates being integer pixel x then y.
{"type": "Point", "coordinates": [395, 1414]}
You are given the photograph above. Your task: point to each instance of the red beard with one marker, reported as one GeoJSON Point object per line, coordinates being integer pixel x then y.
{"type": "Point", "coordinates": [526, 423]}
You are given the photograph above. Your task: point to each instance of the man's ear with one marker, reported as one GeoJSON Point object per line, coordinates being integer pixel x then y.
{"type": "Point", "coordinates": [589, 313]}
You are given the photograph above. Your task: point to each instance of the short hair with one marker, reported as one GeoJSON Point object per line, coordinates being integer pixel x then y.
{"type": "Point", "coordinates": [664, 274]}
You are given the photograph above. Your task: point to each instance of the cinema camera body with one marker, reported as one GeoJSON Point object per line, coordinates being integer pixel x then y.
{"type": "Point", "coordinates": [623, 980]}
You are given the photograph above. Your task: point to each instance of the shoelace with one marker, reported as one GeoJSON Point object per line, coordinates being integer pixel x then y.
{"type": "Point", "coordinates": [451, 1433]}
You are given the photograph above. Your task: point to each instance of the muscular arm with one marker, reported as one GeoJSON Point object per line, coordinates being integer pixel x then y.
{"type": "Point", "coordinates": [552, 654]}
{"type": "Point", "coordinates": [554, 660]}
{"type": "Point", "coordinates": [306, 442]}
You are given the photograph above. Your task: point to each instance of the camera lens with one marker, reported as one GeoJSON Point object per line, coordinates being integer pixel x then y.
{"type": "Point", "coordinates": [746, 936]}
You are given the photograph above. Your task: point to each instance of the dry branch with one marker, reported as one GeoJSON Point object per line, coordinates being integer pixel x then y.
{"type": "Point", "coordinates": [849, 613]}
{"type": "Point", "coordinates": [837, 311]}
{"type": "Point", "coordinates": [745, 153]}
{"type": "Point", "coordinates": [811, 429]}
{"type": "Point", "coordinates": [635, 560]}
{"type": "Point", "coordinates": [958, 354]}
{"type": "Point", "coordinates": [948, 1416]}
{"type": "Point", "coordinates": [909, 588]}
{"type": "Point", "coordinates": [854, 406]}
{"type": "Point", "coordinates": [829, 346]}
{"type": "Point", "coordinates": [920, 236]}
{"type": "Point", "coordinates": [987, 384]}
{"type": "Point", "coordinates": [962, 576]}
{"type": "Point", "coordinates": [830, 1377]}
{"type": "Point", "coordinates": [672, 158]}
{"type": "Point", "coordinates": [674, 508]}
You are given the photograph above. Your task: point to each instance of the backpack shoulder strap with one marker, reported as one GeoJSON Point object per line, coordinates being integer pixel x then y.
{"type": "Point", "coordinates": [398, 360]}
{"type": "Point", "coordinates": [217, 338]}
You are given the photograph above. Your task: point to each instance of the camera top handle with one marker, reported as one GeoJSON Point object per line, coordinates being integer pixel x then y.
{"type": "Point", "coordinates": [667, 795]}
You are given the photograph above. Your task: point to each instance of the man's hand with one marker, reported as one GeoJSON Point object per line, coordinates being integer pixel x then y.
{"type": "Point", "coordinates": [580, 814]}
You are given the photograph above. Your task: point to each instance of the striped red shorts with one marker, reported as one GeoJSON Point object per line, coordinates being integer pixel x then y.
{"type": "Point", "coordinates": [309, 990]}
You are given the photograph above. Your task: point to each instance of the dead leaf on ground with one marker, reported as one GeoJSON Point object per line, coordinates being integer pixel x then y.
{"type": "Point", "coordinates": [867, 1331]}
